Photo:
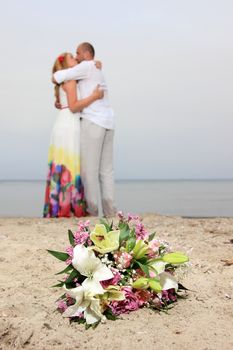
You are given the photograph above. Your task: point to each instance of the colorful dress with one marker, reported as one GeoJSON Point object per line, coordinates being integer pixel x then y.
{"type": "Point", "coordinates": [64, 194]}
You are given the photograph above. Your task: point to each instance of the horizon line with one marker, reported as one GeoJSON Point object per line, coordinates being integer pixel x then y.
{"type": "Point", "coordinates": [133, 179]}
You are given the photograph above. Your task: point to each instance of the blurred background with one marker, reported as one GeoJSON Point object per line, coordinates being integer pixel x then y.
{"type": "Point", "coordinates": [168, 65]}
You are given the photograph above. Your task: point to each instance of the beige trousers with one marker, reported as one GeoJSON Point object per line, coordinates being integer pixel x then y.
{"type": "Point", "coordinates": [97, 167]}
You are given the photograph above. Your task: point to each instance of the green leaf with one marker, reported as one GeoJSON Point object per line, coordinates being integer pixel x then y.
{"type": "Point", "coordinates": [62, 297]}
{"type": "Point", "coordinates": [71, 237]}
{"type": "Point", "coordinates": [141, 283]}
{"type": "Point", "coordinates": [109, 315]}
{"type": "Point", "coordinates": [121, 225]}
{"type": "Point", "coordinates": [71, 277]}
{"type": "Point", "coordinates": [130, 244]}
{"type": "Point", "coordinates": [124, 234]}
{"type": "Point", "coordinates": [155, 285]}
{"type": "Point", "coordinates": [67, 269]}
{"type": "Point", "coordinates": [142, 260]}
{"type": "Point", "coordinates": [151, 236]}
{"type": "Point", "coordinates": [111, 226]}
{"type": "Point", "coordinates": [144, 268]}
{"type": "Point", "coordinates": [59, 255]}
{"type": "Point", "coordinates": [181, 287]}
{"type": "Point", "coordinates": [175, 258]}
{"type": "Point", "coordinates": [60, 284]}
{"type": "Point", "coordinates": [107, 226]}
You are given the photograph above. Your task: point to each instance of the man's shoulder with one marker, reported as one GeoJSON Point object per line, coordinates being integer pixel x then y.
{"type": "Point", "coordinates": [88, 63]}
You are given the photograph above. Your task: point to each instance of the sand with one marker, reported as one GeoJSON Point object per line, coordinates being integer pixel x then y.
{"type": "Point", "coordinates": [28, 316]}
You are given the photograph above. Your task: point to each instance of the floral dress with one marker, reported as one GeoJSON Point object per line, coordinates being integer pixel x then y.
{"type": "Point", "coordinates": [64, 195]}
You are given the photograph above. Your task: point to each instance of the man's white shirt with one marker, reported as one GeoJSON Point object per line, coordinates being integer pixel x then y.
{"type": "Point", "coordinates": [88, 76]}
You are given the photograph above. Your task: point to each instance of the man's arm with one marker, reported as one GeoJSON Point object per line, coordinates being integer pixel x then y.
{"type": "Point", "coordinates": [77, 72]}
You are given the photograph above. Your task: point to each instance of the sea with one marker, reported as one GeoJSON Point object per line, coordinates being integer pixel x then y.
{"type": "Point", "coordinates": [186, 198]}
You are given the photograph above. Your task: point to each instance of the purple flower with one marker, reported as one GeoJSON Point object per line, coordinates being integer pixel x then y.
{"type": "Point", "coordinates": [143, 296]}
{"type": "Point", "coordinates": [141, 232]}
{"type": "Point", "coordinates": [169, 295]}
{"type": "Point", "coordinates": [69, 250]}
{"type": "Point", "coordinates": [121, 216]}
{"type": "Point", "coordinates": [81, 237]}
{"type": "Point", "coordinates": [62, 306]}
{"type": "Point", "coordinates": [82, 225]}
{"type": "Point", "coordinates": [131, 217]}
{"type": "Point", "coordinates": [113, 281]}
{"type": "Point", "coordinates": [123, 259]}
{"type": "Point", "coordinates": [131, 303]}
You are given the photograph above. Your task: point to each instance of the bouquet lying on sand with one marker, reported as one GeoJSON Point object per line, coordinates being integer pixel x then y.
{"type": "Point", "coordinates": [113, 269]}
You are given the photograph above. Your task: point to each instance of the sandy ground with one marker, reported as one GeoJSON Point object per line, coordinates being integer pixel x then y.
{"type": "Point", "coordinates": [28, 317]}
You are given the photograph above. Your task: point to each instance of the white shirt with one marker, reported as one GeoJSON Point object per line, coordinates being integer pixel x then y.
{"type": "Point", "coordinates": [88, 76]}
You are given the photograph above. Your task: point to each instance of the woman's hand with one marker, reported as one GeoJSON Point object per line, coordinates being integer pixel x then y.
{"type": "Point", "coordinates": [57, 104]}
{"type": "Point", "coordinates": [98, 93]}
{"type": "Point", "coordinates": [98, 64]}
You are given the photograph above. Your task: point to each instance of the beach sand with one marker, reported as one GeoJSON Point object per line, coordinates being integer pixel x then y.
{"type": "Point", "coordinates": [28, 316]}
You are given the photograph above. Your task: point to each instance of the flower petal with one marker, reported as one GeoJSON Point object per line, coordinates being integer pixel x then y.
{"type": "Point", "coordinates": [90, 316]}
{"type": "Point", "coordinates": [92, 287]}
{"type": "Point", "coordinates": [104, 242]}
{"type": "Point", "coordinates": [76, 293]}
{"type": "Point", "coordinates": [159, 266]}
{"type": "Point", "coordinates": [84, 260]}
{"type": "Point", "coordinates": [102, 273]}
{"type": "Point", "coordinates": [168, 281]}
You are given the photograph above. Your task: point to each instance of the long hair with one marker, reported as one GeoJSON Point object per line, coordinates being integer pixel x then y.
{"type": "Point", "coordinates": [59, 64]}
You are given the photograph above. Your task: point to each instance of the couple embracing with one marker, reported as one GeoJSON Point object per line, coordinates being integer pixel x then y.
{"type": "Point", "coordinates": [81, 147]}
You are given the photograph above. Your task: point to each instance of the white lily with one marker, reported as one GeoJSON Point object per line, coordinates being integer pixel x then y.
{"type": "Point", "coordinates": [85, 261]}
{"type": "Point", "coordinates": [167, 281]}
{"type": "Point", "coordinates": [86, 302]}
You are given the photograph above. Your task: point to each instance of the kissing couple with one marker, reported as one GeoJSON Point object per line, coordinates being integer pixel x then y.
{"type": "Point", "coordinates": [81, 148]}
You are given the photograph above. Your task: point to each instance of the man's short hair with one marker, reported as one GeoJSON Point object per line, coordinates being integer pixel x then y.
{"type": "Point", "coordinates": [88, 47]}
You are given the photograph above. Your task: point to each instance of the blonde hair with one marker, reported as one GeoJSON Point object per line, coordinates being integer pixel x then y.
{"type": "Point", "coordinates": [59, 64]}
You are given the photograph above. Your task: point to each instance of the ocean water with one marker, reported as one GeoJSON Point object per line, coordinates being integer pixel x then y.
{"type": "Point", "coordinates": [188, 198]}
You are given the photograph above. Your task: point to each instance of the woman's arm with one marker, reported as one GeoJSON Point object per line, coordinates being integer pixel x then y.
{"type": "Point", "coordinates": [76, 105]}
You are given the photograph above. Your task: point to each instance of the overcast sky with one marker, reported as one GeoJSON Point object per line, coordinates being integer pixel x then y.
{"type": "Point", "coordinates": [169, 67]}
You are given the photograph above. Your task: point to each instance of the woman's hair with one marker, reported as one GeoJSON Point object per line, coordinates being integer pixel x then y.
{"type": "Point", "coordinates": [59, 64]}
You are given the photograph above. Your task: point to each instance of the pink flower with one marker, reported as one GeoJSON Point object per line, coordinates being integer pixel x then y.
{"type": "Point", "coordinates": [122, 259]}
{"type": "Point", "coordinates": [131, 217]}
{"type": "Point", "coordinates": [169, 295]}
{"type": "Point", "coordinates": [143, 296]}
{"type": "Point", "coordinates": [141, 232]}
{"type": "Point", "coordinates": [120, 215]}
{"type": "Point", "coordinates": [69, 250]}
{"type": "Point", "coordinates": [62, 306]}
{"type": "Point", "coordinates": [139, 273]}
{"type": "Point", "coordinates": [155, 301]}
{"type": "Point", "coordinates": [81, 237]}
{"type": "Point", "coordinates": [131, 303]}
{"type": "Point", "coordinates": [82, 234]}
{"type": "Point", "coordinates": [82, 225]}
{"type": "Point", "coordinates": [113, 281]}
{"type": "Point", "coordinates": [153, 248]}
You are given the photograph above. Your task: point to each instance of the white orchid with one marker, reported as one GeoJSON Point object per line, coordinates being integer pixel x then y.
{"type": "Point", "coordinates": [85, 261]}
{"type": "Point", "coordinates": [85, 301]}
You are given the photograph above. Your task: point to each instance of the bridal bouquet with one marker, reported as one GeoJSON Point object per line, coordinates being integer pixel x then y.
{"type": "Point", "coordinates": [114, 269]}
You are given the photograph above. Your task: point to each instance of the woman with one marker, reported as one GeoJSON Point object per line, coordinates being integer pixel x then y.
{"type": "Point", "coordinates": [64, 192]}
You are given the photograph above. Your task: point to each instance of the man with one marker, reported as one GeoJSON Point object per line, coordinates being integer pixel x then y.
{"type": "Point", "coordinates": [97, 131]}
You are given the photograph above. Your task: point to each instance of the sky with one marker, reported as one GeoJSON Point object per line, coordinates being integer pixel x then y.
{"type": "Point", "coordinates": [169, 68]}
